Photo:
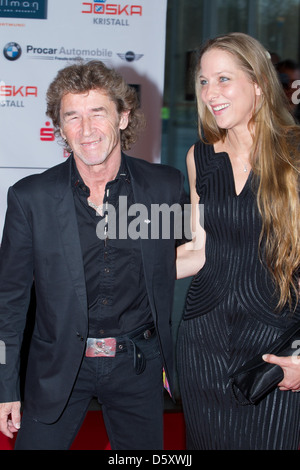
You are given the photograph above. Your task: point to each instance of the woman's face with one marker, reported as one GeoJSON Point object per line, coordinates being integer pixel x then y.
{"type": "Point", "coordinates": [226, 90]}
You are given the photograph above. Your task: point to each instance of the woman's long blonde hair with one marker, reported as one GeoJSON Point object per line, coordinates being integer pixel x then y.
{"type": "Point", "coordinates": [274, 158]}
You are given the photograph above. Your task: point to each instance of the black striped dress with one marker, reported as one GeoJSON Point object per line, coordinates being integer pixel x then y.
{"type": "Point", "coordinates": [229, 318]}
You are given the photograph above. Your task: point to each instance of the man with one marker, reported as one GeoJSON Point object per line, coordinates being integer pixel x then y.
{"type": "Point", "coordinates": [103, 303]}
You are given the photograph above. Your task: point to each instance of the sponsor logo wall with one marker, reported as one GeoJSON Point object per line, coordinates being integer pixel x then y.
{"type": "Point", "coordinates": [37, 38]}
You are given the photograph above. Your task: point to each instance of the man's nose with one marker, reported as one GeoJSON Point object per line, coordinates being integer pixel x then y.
{"type": "Point", "coordinates": [86, 126]}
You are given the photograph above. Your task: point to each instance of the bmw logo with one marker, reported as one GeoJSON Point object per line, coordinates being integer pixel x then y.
{"type": "Point", "coordinates": [12, 51]}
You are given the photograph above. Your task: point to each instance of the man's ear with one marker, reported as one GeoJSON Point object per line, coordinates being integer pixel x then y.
{"type": "Point", "coordinates": [124, 118]}
{"type": "Point", "coordinates": [62, 134]}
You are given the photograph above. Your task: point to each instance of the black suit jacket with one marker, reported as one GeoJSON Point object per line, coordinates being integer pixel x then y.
{"type": "Point", "coordinates": [41, 243]}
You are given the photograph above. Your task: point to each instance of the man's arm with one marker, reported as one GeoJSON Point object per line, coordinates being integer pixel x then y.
{"type": "Point", "coordinates": [16, 277]}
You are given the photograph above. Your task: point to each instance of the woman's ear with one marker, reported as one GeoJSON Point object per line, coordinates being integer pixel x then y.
{"type": "Point", "coordinates": [257, 89]}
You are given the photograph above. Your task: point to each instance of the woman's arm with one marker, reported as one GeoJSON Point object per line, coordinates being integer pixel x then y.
{"type": "Point", "coordinates": [191, 255]}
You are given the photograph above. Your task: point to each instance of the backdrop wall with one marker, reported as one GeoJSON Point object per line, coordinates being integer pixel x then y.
{"type": "Point", "coordinates": [37, 38]}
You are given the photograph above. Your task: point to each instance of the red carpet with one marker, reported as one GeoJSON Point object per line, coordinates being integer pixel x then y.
{"type": "Point", "coordinates": [92, 435]}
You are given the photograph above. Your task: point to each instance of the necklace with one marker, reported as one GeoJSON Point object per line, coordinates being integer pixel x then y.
{"type": "Point", "coordinates": [244, 164]}
{"type": "Point", "coordinates": [94, 206]}
{"type": "Point", "coordinates": [245, 169]}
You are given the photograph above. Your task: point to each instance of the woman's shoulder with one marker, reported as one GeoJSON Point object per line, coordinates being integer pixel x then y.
{"type": "Point", "coordinates": [201, 151]}
{"type": "Point", "coordinates": [201, 146]}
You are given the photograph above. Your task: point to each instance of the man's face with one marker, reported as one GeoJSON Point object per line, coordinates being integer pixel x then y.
{"type": "Point", "coordinates": [91, 125]}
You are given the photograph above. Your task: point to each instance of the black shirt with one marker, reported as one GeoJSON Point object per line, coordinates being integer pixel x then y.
{"type": "Point", "coordinates": [116, 290]}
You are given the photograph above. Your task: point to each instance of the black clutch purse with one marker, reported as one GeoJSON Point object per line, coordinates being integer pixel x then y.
{"type": "Point", "coordinates": [256, 378]}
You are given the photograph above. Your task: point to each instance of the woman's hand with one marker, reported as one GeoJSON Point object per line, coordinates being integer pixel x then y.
{"type": "Point", "coordinates": [291, 368]}
{"type": "Point", "coordinates": [189, 260]}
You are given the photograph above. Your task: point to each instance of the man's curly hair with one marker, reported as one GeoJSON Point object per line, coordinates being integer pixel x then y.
{"type": "Point", "coordinates": [94, 75]}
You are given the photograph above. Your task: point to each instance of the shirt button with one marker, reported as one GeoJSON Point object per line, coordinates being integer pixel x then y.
{"type": "Point", "coordinates": [101, 332]}
{"type": "Point", "coordinates": [106, 270]}
{"type": "Point", "coordinates": [105, 301]}
{"type": "Point", "coordinates": [147, 334]}
{"type": "Point", "coordinates": [80, 336]}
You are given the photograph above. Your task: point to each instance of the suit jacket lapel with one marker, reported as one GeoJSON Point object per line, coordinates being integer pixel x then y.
{"type": "Point", "coordinates": [69, 232]}
{"type": "Point", "coordinates": [141, 190]}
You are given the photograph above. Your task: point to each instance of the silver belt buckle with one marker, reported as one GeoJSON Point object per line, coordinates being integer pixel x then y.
{"type": "Point", "coordinates": [101, 347]}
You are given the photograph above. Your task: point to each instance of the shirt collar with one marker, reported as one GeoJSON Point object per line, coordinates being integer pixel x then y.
{"type": "Point", "coordinates": [77, 181]}
{"type": "Point", "coordinates": [123, 172]}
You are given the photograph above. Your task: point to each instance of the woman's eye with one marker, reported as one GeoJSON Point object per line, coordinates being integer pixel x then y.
{"type": "Point", "coordinates": [203, 82]}
{"type": "Point", "coordinates": [224, 79]}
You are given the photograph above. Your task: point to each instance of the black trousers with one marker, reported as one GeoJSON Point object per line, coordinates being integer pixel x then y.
{"type": "Point", "coordinates": [132, 404]}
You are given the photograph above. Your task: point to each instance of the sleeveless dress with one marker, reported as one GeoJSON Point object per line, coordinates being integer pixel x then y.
{"type": "Point", "coordinates": [228, 319]}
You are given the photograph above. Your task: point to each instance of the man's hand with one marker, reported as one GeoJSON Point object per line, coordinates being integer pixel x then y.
{"type": "Point", "coordinates": [10, 418]}
{"type": "Point", "coordinates": [291, 368]}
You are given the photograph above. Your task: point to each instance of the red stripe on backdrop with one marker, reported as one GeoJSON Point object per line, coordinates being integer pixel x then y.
{"type": "Point", "coordinates": [92, 435]}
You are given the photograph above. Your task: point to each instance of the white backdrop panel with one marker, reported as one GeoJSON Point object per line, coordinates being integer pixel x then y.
{"type": "Point", "coordinates": [127, 35]}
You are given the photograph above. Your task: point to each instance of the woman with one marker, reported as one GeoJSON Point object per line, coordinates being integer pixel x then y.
{"type": "Point", "coordinates": [244, 171]}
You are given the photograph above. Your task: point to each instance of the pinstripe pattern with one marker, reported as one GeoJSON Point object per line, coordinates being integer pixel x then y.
{"type": "Point", "coordinates": [228, 319]}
